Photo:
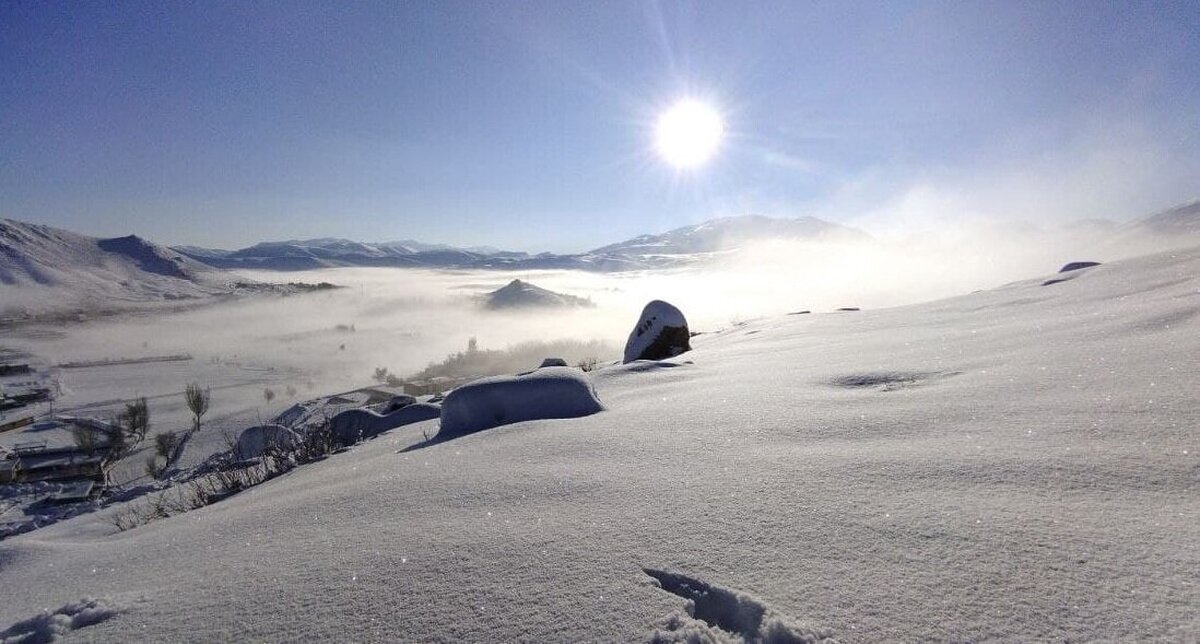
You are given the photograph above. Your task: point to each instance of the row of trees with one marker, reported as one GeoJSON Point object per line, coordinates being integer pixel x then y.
{"type": "Point", "coordinates": [130, 426]}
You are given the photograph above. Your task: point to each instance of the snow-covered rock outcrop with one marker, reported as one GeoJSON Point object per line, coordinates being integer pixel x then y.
{"type": "Point", "coordinates": [550, 392]}
{"type": "Point", "coordinates": [661, 332]}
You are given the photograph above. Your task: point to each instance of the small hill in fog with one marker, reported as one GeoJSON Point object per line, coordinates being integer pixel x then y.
{"type": "Point", "coordinates": [523, 295]}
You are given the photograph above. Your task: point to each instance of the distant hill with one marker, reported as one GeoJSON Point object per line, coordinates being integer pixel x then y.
{"type": "Point", "coordinates": [728, 233]}
{"type": "Point", "coordinates": [43, 268]}
{"type": "Point", "coordinates": [521, 295]}
{"type": "Point", "coordinates": [1180, 221]}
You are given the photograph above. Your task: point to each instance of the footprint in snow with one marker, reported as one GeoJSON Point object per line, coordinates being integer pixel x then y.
{"type": "Point", "coordinates": [49, 626]}
{"type": "Point", "coordinates": [719, 615]}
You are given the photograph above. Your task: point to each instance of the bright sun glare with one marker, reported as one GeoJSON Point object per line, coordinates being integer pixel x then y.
{"type": "Point", "coordinates": [688, 133]}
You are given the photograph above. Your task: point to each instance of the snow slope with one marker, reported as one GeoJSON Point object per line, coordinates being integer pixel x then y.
{"type": "Point", "coordinates": [1016, 464]}
{"type": "Point", "coordinates": [43, 267]}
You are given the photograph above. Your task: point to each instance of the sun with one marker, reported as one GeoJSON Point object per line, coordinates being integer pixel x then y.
{"type": "Point", "coordinates": [688, 133]}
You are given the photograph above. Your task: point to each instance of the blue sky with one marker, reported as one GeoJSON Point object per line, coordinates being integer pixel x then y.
{"type": "Point", "coordinates": [529, 125]}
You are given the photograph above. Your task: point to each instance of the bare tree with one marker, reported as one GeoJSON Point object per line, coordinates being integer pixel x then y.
{"type": "Point", "coordinates": [129, 429]}
{"type": "Point", "coordinates": [85, 439]}
{"type": "Point", "coordinates": [197, 402]}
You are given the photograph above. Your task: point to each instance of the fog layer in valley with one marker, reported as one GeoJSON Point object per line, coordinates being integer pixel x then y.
{"type": "Point", "coordinates": [403, 319]}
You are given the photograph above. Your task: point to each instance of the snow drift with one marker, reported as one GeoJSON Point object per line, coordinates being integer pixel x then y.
{"type": "Point", "coordinates": [256, 441]}
{"type": "Point", "coordinates": [354, 425]}
{"type": "Point", "coordinates": [551, 392]}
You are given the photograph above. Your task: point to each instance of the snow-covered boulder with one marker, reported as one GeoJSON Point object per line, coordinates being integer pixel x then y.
{"type": "Point", "coordinates": [552, 392]}
{"type": "Point", "coordinates": [255, 441]}
{"type": "Point", "coordinates": [553, 362]}
{"type": "Point", "coordinates": [354, 425]}
{"type": "Point", "coordinates": [661, 332]}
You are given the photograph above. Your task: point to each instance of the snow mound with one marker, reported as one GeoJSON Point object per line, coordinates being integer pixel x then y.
{"type": "Point", "coordinates": [661, 332]}
{"type": "Point", "coordinates": [255, 441]}
{"type": "Point", "coordinates": [49, 626]}
{"type": "Point", "coordinates": [354, 425]}
{"type": "Point", "coordinates": [551, 392]}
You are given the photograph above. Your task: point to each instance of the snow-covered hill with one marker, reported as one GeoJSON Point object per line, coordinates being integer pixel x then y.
{"type": "Point", "coordinates": [1017, 464]}
{"type": "Point", "coordinates": [1180, 221]}
{"type": "Point", "coordinates": [44, 268]}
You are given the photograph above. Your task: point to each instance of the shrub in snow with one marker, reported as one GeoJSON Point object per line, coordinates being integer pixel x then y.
{"type": "Point", "coordinates": [354, 425]}
{"type": "Point", "coordinates": [255, 441]}
{"type": "Point", "coordinates": [552, 392]}
{"type": "Point", "coordinates": [661, 332]}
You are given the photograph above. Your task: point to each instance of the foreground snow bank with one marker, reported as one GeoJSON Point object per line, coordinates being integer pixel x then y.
{"type": "Point", "coordinates": [550, 392]}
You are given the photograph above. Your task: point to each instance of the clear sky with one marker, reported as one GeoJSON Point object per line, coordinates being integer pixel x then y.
{"type": "Point", "coordinates": [529, 125]}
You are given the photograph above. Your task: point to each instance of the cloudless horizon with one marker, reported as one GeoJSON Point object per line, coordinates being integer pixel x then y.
{"type": "Point", "coordinates": [530, 126]}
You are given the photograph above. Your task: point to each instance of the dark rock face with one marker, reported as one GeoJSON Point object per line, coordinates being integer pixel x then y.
{"type": "Point", "coordinates": [1074, 266]}
{"type": "Point", "coordinates": [661, 332]}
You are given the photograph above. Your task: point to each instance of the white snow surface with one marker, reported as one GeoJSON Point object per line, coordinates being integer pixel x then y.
{"type": "Point", "coordinates": [1016, 464]}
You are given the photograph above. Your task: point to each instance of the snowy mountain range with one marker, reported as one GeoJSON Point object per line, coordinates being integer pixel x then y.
{"type": "Point", "coordinates": [682, 245]}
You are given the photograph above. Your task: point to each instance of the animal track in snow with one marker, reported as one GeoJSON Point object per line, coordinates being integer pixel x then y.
{"type": "Point", "coordinates": [722, 615]}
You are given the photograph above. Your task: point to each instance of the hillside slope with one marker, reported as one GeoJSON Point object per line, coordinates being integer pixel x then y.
{"type": "Point", "coordinates": [1014, 464]}
{"type": "Point", "coordinates": [44, 268]}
